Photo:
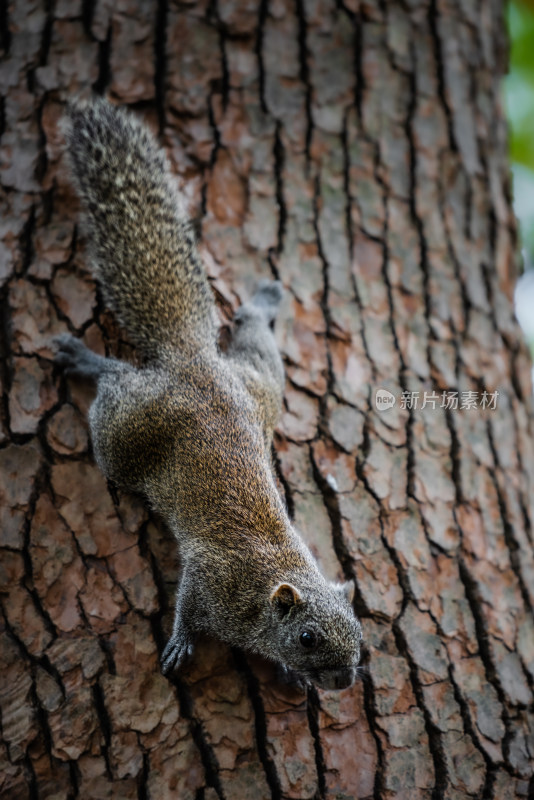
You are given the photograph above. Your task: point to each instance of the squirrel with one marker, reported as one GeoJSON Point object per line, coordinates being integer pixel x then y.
{"type": "Point", "coordinates": [191, 429]}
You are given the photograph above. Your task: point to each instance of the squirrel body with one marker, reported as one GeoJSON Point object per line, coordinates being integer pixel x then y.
{"type": "Point", "coordinates": [192, 429]}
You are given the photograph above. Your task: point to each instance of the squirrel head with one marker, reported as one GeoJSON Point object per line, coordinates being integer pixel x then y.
{"type": "Point", "coordinates": [317, 632]}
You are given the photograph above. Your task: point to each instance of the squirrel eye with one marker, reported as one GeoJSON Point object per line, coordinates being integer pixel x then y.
{"type": "Point", "coordinates": [308, 639]}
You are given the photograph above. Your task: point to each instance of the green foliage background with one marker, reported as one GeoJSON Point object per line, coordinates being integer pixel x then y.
{"type": "Point", "coordinates": [519, 98]}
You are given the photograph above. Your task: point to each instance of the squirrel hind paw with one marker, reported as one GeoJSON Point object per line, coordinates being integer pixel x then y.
{"type": "Point", "coordinates": [66, 341]}
{"type": "Point", "coordinates": [268, 294]}
{"type": "Point", "coordinates": [69, 351]}
{"type": "Point", "coordinates": [267, 298]}
{"type": "Point", "coordinates": [176, 652]}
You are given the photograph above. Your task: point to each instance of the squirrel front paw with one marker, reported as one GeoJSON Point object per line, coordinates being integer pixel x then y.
{"type": "Point", "coordinates": [178, 649]}
{"type": "Point", "coordinates": [289, 677]}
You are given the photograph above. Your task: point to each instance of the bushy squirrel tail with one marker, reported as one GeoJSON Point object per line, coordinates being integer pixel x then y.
{"type": "Point", "coordinates": [142, 244]}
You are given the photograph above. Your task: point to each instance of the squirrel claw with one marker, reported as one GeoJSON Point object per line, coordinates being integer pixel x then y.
{"type": "Point", "coordinates": [177, 650]}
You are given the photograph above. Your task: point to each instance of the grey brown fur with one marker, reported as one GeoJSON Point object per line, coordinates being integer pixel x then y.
{"type": "Point", "coordinates": [192, 429]}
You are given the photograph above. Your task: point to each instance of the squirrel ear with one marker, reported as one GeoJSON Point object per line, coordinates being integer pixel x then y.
{"type": "Point", "coordinates": [285, 596]}
{"type": "Point", "coordinates": [347, 589]}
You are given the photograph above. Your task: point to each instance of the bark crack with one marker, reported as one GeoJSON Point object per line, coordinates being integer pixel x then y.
{"type": "Point", "coordinates": [435, 740]}
{"type": "Point", "coordinates": [260, 724]}
{"type": "Point", "coordinates": [262, 19]}
{"type": "Point", "coordinates": [160, 61]}
{"type": "Point", "coordinates": [403, 374]}
{"type": "Point", "coordinates": [214, 152]}
{"type": "Point", "coordinates": [279, 161]}
{"type": "Point", "coordinates": [325, 295]}
{"type": "Point", "coordinates": [74, 780]}
{"type": "Point", "coordinates": [5, 31]}
{"type": "Point", "coordinates": [288, 494]}
{"type": "Point", "coordinates": [313, 706]}
{"type": "Point", "coordinates": [416, 219]}
{"type": "Point", "coordinates": [433, 22]}
{"type": "Point", "coordinates": [475, 604]}
{"type": "Point", "coordinates": [305, 73]}
{"type": "Point", "coordinates": [207, 755]}
{"type": "Point", "coordinates": [371, 712]}
{"type": "Point", "coordinates": [512, 544]}
{"type": "Point", "coordinates": [87, 15]}
{"type": "Point", "coordinates": [469, 729]}
{"type": "Point", "coordinates": [350, 236]}
{"type": "Point", "coordinates": [105, 724]}
{"type": "Point", "coordinates": [31, 778]}
{"type": "Point", "coordinates": [104, 64]}
{"type": "Point", "coordinates": [143, 776]}
{"type": "Point", "coordinates": [340, 548]}
{"type": "Point", "coordinates": [213, 11]}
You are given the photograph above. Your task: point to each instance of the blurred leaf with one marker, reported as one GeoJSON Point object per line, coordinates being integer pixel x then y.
{"type": "Point", "coordinates": [519, 99]}
{"type": "Point", "coordinates": [521, 30]}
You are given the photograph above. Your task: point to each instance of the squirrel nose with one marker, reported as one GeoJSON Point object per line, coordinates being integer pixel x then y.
{"type": "Point", "coordinates": [344, 678]}
{"type": "Point", "coordinates": [336, 678]}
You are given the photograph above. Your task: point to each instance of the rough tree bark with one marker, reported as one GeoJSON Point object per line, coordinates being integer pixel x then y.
{"type": "Point", "coordinates": [359, 153]}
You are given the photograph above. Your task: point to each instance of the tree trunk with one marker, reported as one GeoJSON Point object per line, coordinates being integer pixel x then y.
{"type": "Point", "coordinates": [358, 152]}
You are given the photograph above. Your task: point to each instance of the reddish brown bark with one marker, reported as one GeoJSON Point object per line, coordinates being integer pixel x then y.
{"type": "Point", "coordinates": [359, 153]}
